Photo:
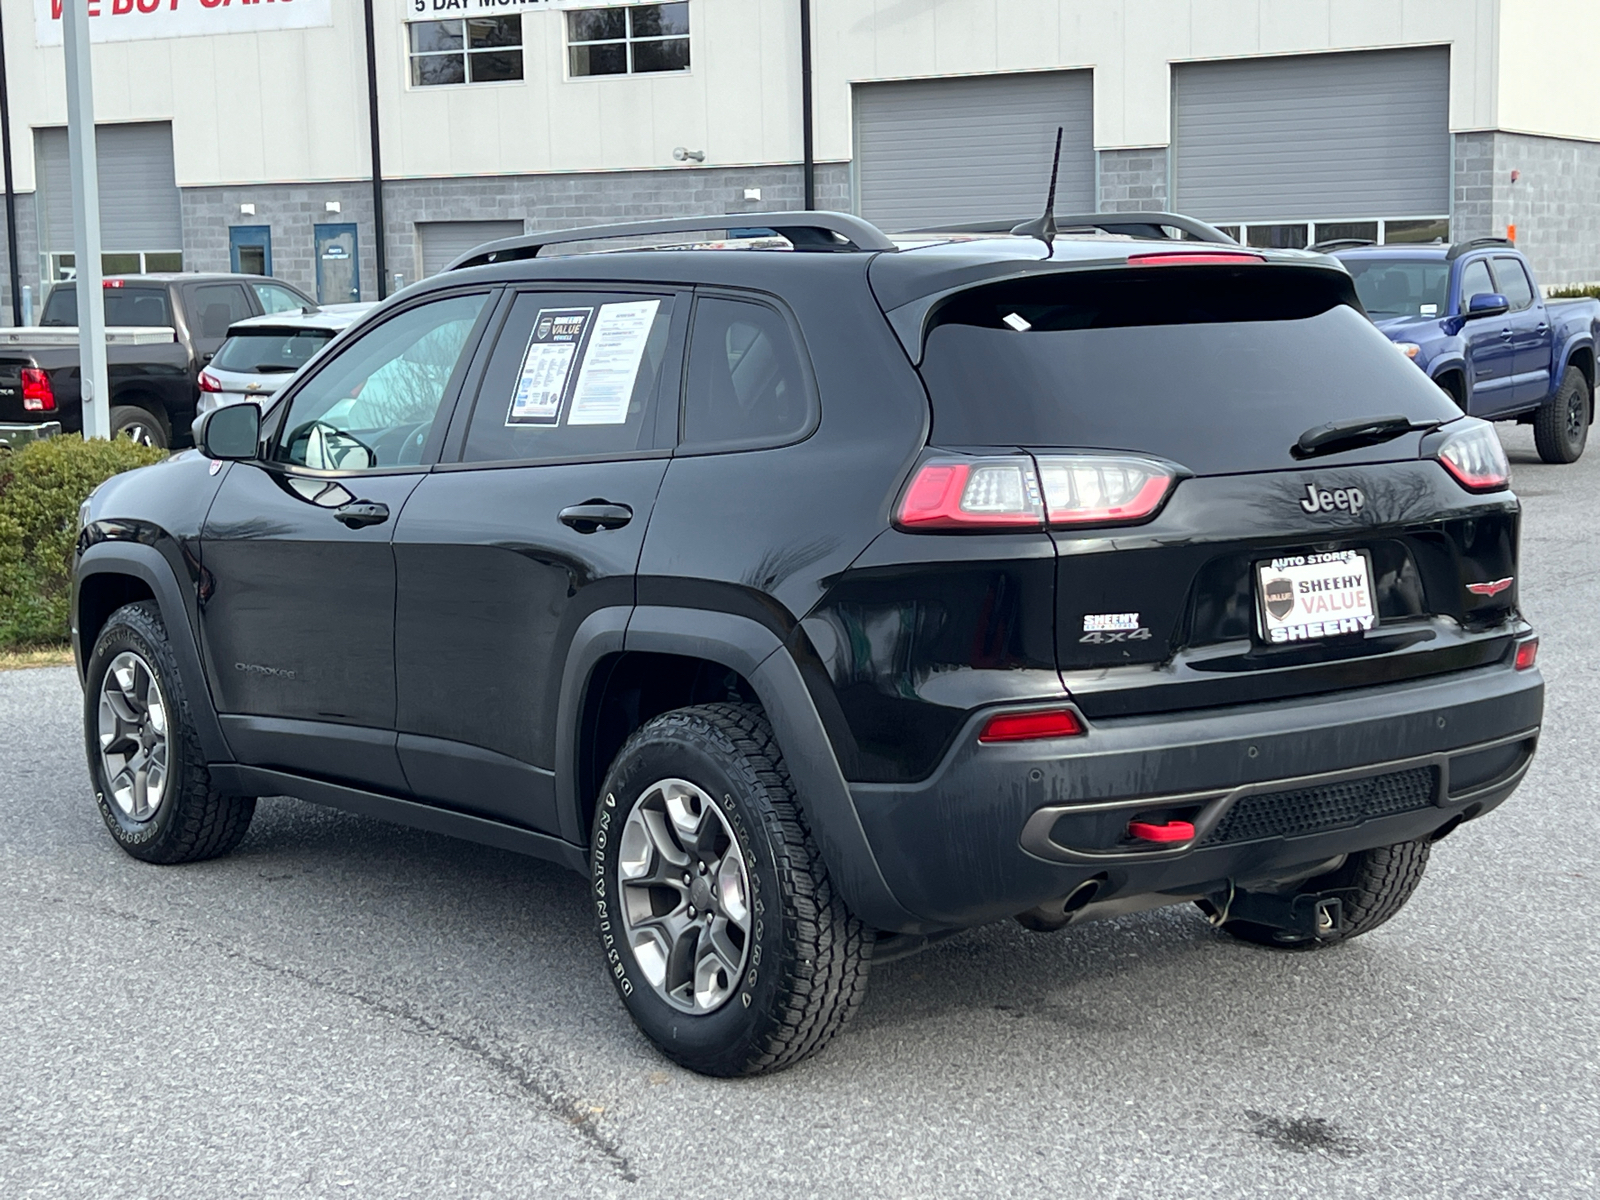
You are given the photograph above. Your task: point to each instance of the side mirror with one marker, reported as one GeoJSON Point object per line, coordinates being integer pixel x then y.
{"type": "Point", "coordinates": [1487, 304]}
{"type": "Point", "coordinates": [230, 433]}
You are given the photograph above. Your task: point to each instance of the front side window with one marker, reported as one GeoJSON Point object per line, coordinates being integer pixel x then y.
{"type": "Point", "coordinates": [472, 50]}
{"type": "Point", "coordinates": [374, 404]}
{"type": "Point", "coordinates": [637, 40]}
{"type": "Point", "coordinates": [1514, 285]}
{"type": "Point", "coordinates": [1475, 281]}
{"type": "Point", "coordinates": [746, 386]}
{"type": "Point", "coordinates": [572, 375]}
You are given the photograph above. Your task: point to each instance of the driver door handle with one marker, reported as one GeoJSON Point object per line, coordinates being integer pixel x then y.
{"type": "Point", "coordinates": [595, 514]}
{"type": "Point", "coordinates": [358, 514]}
{"type": "Point", "coordinates": [1506, 332]}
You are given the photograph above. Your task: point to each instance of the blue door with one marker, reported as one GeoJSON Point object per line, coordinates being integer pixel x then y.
{"type": "Point", "coordinates": [250, 249]}
{"type": "Point", "coordinates": [1531, 340]}
{"type": "Point", "coordinates": [1489, 349]}
{"type": "Point", "coordinates": [338, 267]}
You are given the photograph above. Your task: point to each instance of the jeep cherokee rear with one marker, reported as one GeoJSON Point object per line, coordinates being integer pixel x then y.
{"type": "Point", "coordinates": [819, 604]}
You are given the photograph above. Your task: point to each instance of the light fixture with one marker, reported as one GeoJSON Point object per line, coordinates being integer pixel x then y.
{"type": "Point", "coordinates": [332, 206]}
{"type": "Point", "coordinates": [248, 210]}
{"type": "Point", "coordinates": [681, 154]}
{"type": "Point", "coordinates": [752, 193]}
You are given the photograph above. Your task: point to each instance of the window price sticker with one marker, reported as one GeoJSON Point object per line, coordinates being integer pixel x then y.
{"type": "Point", "coordinates": [547, 365]}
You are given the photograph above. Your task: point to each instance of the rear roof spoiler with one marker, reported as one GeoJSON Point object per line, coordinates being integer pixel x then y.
{"type": "Point", "coordinates": [1143, 225]}
{"type": "Point", "coordinates": [826, 231]}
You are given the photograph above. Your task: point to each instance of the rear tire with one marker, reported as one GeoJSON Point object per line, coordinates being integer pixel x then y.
{"type": "Point", "coordinates": [149, 772]}
{"type": "Point", "coordinates": [703, 794]}
{"type": "Point", "coordinates": [139, 425]}
{"type": "Point", "coordinates": [1561, 424]}
{"type": "Point", "coordinates": [1372, 884]}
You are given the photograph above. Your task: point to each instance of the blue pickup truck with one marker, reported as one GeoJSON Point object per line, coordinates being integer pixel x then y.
{"type": "Point", "coordinates": [1473, 318]}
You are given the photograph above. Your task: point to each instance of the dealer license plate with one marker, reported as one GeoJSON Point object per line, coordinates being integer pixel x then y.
{"type": "Point", "coordinates": [1308, 597]}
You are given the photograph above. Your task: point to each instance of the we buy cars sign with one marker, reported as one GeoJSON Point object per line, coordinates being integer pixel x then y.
{"type": "Point", "coordinates": [135, 20]}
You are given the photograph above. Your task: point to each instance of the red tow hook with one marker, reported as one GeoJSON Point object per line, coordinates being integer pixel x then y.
{"type": "Point", "coordinates": [1171, 831]}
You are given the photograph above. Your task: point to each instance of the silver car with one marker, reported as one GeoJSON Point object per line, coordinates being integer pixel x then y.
{"type": "Point", "coordinates": [263, 353]}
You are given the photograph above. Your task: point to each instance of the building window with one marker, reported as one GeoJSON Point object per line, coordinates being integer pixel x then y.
{"type": "Point", "coordinates": [473, 50]}
{"type": "Point", "coordinates": [62, 268]}
{"type": "Point", "coordinates": [637, 40]}
{"type": "Point", "coordinates": [1298, 235]}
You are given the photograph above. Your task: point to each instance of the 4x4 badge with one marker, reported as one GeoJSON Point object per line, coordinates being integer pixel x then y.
{"type": "Point", "coordinates": [1320, 500]}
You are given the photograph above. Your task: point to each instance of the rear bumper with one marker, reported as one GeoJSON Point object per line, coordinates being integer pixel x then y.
{"type": "Point", "coordinates": [15, 437]}
{"type": "Point", "coordinates": [1000, 829]}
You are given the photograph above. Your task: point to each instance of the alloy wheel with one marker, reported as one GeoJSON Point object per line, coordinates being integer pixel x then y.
{"type": "Point", "coordinates": [685, 896]}
{"type": "Point", "coordinates": [1577, 418]}
{"type": "Point", "coordinates": [138, 432]}
{"type": "Point", "coordinates": [133, 737]}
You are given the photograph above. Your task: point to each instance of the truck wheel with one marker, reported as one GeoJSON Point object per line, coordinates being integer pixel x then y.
{"type": "Point", "coordinates": [149, 773]}
{"type": "Point", "coordinates": [721, 930]}
{"type": "Point", "coordinates": [139, 424]}
{"type": "Point", "coordinates": [1372, 884]}
{"type": "Point", "coordinates": [1561, 424]}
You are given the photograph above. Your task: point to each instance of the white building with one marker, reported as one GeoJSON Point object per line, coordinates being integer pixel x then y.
{"type": "Point", "coordinates": [237, 132]}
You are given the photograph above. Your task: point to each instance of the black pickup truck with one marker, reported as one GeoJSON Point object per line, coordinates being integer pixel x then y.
{"type": "Point", "coordinates": [160, 331]}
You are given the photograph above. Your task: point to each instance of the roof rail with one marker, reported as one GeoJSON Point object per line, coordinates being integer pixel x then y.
{"type": "Point", "coordinates": [1339, 244]}
{"type": "Point", "coordinates": [1143, 225]}
{"type": "Point", "coordinates": [1460, 248]}
{"type": "Point", "coordinates": [805, 231]}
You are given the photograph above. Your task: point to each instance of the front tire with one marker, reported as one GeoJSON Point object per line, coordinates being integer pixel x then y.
{"type": "Point", "coordinates": [149, 772]}
{"type": "Point", "coordinates": [1373, 885]}
{"type": "Point", "coordinates": [1561, 424]}
{"type": "Point", "coordinates": [722, 932]}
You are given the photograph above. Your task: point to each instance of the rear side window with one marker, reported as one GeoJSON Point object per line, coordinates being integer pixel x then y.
{"type": "Point", "coordinates": [1475, 281]}
{"type": "Point", "coordinates": [215, 306]}
{"type": "Point", "coordinates": [1216, 369]}
{"type": "Point", "coordinates": [145, 307]}
{"type": "Point", "coordinates": [745, 386]}
{"type": "Point", "coordinates": [1514, 285]}
{"type": "Point", "coordinates": [572, 375]}
{"type": "Point", "coordinates": [270, 351]}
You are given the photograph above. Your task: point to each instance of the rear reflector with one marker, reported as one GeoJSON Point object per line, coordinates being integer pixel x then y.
{"type": "Point", "coordinates": [37, 394]}
{"type": "Point", "coordinates": [1168, 831]}
{"type": "Point", "coordinates": [1010, 492]}
{"type": "Point", "coordinates": [1199, 258]}
{"type": "Point", "coordinates": [1527, 653]}
{"type": "Point", "coordinates": [1031, 726]}
{"type": "Point", "coordinates": [1473, 455]}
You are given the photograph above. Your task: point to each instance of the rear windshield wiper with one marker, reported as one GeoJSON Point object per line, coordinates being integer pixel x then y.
{"type": "Point", "coordinates": [1349, 434]}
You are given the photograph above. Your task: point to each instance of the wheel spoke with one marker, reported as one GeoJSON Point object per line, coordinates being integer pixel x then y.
{"type": "Point", "coordinates": [133, 736]}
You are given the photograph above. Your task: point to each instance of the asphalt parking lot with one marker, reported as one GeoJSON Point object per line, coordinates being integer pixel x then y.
{"type": "Point", "coordinates": [346, 1008]}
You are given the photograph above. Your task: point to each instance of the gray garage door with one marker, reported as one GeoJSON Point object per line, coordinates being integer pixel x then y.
{"type": "Point", "coordinates": [442, 241]}
{"type": "Point", "coordinates": [1355, 135]}
{"type": "Point", "coordinates": [940, 151]}
{"type": "Point", "coordinates": [140, 211]}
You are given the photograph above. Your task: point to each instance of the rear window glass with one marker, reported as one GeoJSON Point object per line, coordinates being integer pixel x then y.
{"type": "Point", "coordinates": [124, 306]}
{"type": "Point", "coordinates": [1390, 288]}
{"type": "Point", "coordinates": [268, 352]}
{"type": "Point", "coordinates": [1219, 370]}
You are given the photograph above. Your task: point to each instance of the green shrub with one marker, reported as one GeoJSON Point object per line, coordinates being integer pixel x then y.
{"type": "Point", "coordinates": [41, 487]}
{"type": "Point", "coordinates": [1574, 291]}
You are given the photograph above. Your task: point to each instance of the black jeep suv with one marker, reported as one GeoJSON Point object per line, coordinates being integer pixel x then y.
{"type": "Point", "coordinates": [818, 601]}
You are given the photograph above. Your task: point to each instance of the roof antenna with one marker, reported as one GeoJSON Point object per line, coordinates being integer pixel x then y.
{"type": "Point", "coordinates": [1044, 228]}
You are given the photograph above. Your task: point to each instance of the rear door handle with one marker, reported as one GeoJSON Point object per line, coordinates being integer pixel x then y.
{"type": "Point", "coordinates": [595, 514]}
{"type": "Point", "coordinates": [360, 513]}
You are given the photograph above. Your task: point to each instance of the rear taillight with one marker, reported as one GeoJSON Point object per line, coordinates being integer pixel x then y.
{"type": "Point", "coordinates": [1473, 455]}
{"type": "Point", "coordinates": [1091, 489]}
{"type": "Point", "coordinates": [209, 382]}
{"type": "Point", "coordinates": [1031, 726]}
{"type": "Point", "coordinates": [1024, 493]}
{"type": "Point", "coordinates": [37, 394]}
{"type": "Point", "coordinates": [1527, 653]}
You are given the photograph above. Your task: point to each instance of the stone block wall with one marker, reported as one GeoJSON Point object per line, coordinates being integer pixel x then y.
{"type": "Point", "coordinates": [1555, 203]}
{"type": "Point", "coordinates": [540, 201]}
{"type": "Point", "coordinates": [1133, 180]}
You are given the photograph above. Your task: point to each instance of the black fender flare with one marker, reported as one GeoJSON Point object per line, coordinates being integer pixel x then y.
{"type": "Point", "coordinates": [147, 564]}
{"type": "Point", "coordinates": [756, 653]}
